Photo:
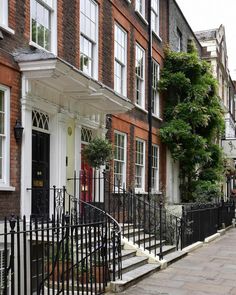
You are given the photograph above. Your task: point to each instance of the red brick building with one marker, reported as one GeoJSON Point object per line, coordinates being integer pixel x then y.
{"type": "Point", "coordinates": [64, 68]}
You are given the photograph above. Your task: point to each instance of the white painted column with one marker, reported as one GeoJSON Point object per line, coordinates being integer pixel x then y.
{"type": "Point", "coordinates": [77, 151]}
{"type": "Point", "coordinates": [26, 151]}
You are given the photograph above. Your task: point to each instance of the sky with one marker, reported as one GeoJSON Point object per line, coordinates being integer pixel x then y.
{"type": "Point", "coordinates": [210, 14]}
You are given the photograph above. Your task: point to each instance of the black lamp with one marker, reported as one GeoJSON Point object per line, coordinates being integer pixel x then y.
{"type": "Point", "coordinates": [18, 130]}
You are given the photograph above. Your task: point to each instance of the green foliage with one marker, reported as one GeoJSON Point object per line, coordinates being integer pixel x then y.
{"type": "Point", "coordinates": [98, 152]}
{"type": "Point", "coordinates": [193, 121]}
{"type": "Point", "coordinates": [206, 191]}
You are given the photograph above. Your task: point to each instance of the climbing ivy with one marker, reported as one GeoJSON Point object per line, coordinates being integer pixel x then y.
{"type": "Point", "coordinates": [193, 122]}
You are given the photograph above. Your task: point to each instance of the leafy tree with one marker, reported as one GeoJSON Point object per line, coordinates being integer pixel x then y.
{"type": "Point", "coordinates": [193, 121]}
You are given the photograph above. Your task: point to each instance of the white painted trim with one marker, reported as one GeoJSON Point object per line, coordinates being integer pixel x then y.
{"type": "Point", "coordinates": [53, 32]}
{"type": "Point", "coordinates": [7, 188]}
{"type": "Point", "coordinates": [141, 189]}
{"type": "Point", "coordinates": [125, 158]}
{"type": "Point", "coordinates": [142, 106]}
{"type": "Point", "coordinates": [5, 181]}
{"type": "Point", "coordinates": [141, 13]}
{"type": "Point", "coordinates": [7, 29]}
{"type": "Point", "coordinates": [124, 92]}
{"type": "Point", "coordinates": [142, 17]}
{"type": "Point", "coordinates": [26, 152]}
{"type": "Point", "coordinates": [157, 188]}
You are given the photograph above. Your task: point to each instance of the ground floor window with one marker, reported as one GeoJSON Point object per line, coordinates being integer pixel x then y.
{"type": "Point", "coordinates": [4, 135]}
{"type": "Point", "coordinates": [120, 160]}
{"type": "Point", "coordinates": [155, 168]}
{"type": "Point", "coordinates": [140, 165]}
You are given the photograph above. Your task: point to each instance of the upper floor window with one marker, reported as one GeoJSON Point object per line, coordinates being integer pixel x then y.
{"type": "Point", "coordinates": [179, 41]}
{"type": "Point", "coordinates": [155, 168]}
{"type": "Point", "coordinates": [140, 6]}
{"type": "Point", "coordinates": [43, 25]}
{"type": "Point", "coordinates": [155, 92]}
{"type": "Point", "coordinates": [4, 136]}
{"type": "Point", "coordinates": [140, 165]}
{"type": "Point", "coordinates": [4, 16]}
{"type": "Point", "coordinates": [89, 37]}
{"type": "Point", "coordinates": [120, 159]}
{"type": "Point", "coordinates": [155, 16]}
{"type": "Point", "coordinates": [120, 66]}
{"type": "Point", "coordinates": [139, 71]}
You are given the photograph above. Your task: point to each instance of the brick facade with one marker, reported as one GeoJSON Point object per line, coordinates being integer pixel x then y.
{"type": "Point", "coordinates": [10, 77]}
{"type": "Point", "coordinates": [133, 123]}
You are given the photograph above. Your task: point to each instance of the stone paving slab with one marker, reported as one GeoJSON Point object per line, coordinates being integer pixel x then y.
{"type": "Point", "coordinates": [208, 270]}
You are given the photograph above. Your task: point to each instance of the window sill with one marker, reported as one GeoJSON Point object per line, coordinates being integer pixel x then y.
{"type": "Point", "coordinates": [7, 29]}
{"type": "Point", "coordinates": [33, 44]}
{"type": "Point", "coordinates": [7, 188]}
{"type": "Point", "coordinates": [157, 36]}
{"type": "Point", "coordinates": [141, 17]}
{"type": "Point", "coordinates": [141, 108]}
{"type": "Point", "coordinates": [154, 192]}
{"type": "Point", "coordinates": [157, 117]}
{"type": "Point", "coordinates": [140, 191]}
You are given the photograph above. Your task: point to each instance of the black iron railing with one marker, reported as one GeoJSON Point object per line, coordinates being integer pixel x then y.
{"type": "Point", "coordinates": [203, 220]}
{"type": "Point", "coordinates": [143, 218]}
{"type": "Point", "coordinates": [60, 255]}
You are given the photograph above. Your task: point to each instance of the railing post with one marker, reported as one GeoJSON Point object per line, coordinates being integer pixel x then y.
{"type": "Point", "coordinates": [114, 254]}
{"type": "Point", "coordinates": [160, 254]}
{"type": "Point", "coordinates": [12, 222]}
{"type": "Point", "coordinates": [54, 200]}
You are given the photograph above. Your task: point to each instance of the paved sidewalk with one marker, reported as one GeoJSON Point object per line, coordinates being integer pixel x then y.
{"type": "Point", "coordinates": [208, 270]}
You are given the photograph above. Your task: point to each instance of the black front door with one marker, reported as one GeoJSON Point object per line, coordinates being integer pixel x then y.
{"type": "Point", "coordinates": [40, 174]}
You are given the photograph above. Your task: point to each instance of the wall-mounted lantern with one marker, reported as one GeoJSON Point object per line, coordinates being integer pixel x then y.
{"type": "Point", "coordinates": [18, 131]}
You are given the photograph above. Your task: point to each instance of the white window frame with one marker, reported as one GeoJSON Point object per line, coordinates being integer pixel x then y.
{"type": "Point", "coordinates": [124, 168]}
{"type": "Point", "coordinates": [93, 41]}
{"type": "Point", "coordinates": [140, 7]}
{"type": "Point", "coordinates": [155, 13]}
{"type": "Point", "coordinates": [5, 180]}
{"type": "Point", "coordinates": [4, 17]}
{"type": "Point", "coordinates": [140, 78]}
{"type": "Point", "coordinates": [50, 5]}
{"type": "Point", "coordinates": [155, 169]}
{"type": "Point", "coordinates": [155, 92]}
{"type": "Point", "coordinates": [119, 61]}
{"type": "Point", "coordinates": [140, 189]}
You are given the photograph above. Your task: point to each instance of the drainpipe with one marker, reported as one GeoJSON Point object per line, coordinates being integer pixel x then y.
{"type": "Point", "coordinates": [149, 77]}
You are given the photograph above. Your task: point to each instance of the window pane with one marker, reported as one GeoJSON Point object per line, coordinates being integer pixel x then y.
{"type": "Point", "coordinates": [88, 19]}
{"type": "Point", "coordinates": [1, 101]}
{"type": "Point", "coordinates": [2, 117]}
{"type": "Point", "coordinates": [119, 160]}
{"type": "Point", "coordinates": [40, 27]}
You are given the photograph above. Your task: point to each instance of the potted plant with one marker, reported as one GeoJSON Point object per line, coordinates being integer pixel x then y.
{"type": "Point", "coordinates": [60, 263]}
{"type": "Point", "coordinates": [98, 152]}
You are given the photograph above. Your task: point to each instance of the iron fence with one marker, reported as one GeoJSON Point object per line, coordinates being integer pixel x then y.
{"type": "Point", "coordinates": [59, 255]}
{"type": "Point", "coordinates": [203, 220]}
{"type": "Point", "coordinates": [143, 218]}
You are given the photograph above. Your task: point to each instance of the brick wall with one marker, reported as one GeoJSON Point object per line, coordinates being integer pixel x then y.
{"type": "Point", "coordinates": [177, 20]}
{"type": "Point", "coordinates": [135, 122]}
{"type": "Point", "coordinates": [10, 77]}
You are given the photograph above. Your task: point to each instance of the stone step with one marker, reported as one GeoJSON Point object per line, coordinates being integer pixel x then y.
{"type": "Point", "coordinates": [133, 263]}
{"type": "Point", "coordinates": [132, 232]}
{"type": "Point", "coordinates": [126, 254]}
{"type": "Point", "coordinates": [132, 277]}
{"type": "Point", "coordinates": [153, 244]}
{"type": "Point", "coordinates": [166, 249]}
{"type": "Point", "coordinates": [141, 238]}
{"type": "Point", "coordinates": [174, 256]}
